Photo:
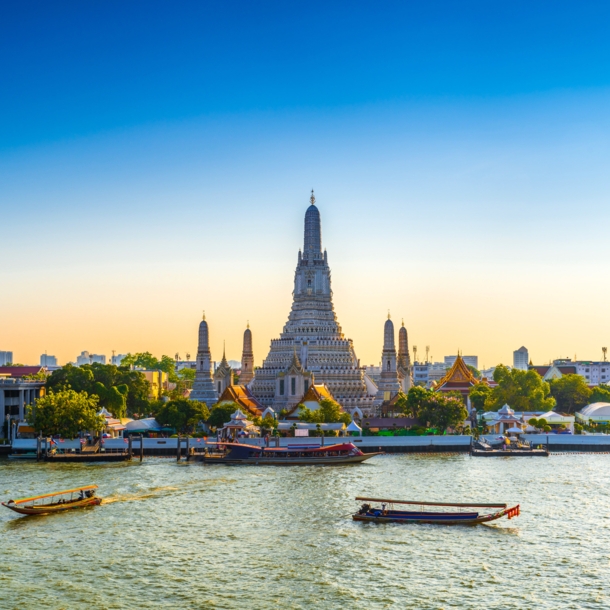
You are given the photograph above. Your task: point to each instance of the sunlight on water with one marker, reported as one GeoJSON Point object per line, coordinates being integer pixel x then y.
{"type": "Point", "coordinates": [197, 536]}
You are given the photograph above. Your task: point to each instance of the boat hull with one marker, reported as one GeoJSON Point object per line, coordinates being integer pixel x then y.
{"type": "Point", "coordinates": [294, 461]}
{"type": "Point", "coordinates": [509, 453]}
{"type": "Point", "coordinates": [436, 519]}
{"type": "Point", "coordinates": [58, 508]}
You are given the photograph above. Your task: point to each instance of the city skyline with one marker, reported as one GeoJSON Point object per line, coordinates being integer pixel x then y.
{"type": "Point", "coordinates": [461, 177]}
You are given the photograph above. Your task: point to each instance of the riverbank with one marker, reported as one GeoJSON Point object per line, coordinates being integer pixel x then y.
{"type": "Point", "coordinates": [168, 447]}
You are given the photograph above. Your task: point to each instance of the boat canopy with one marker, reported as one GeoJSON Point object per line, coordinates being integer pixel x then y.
{"type": "Point", "coordinates": [432, 503]}
{"type": "Point", "coordinates": [56, 493]}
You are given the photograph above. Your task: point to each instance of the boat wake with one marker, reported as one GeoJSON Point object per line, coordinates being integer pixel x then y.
{"type": "Point", "coordinates": [164, 490]}
{"type": "Point", "coordinates": [136, 497]}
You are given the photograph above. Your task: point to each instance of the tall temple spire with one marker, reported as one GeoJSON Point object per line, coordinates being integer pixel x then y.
{"type": "Point", "coordinates": [404, 360]}
{"type": "Point", "coordinates": [247, 358]}
{"type": "Point", "coordinates": [312, 248]}
{"type": "Point", "coordinates": [388, 385]}
{"type": "Point", "coordinates": [314, 334]}
{"type": "Point", "coordinates": [203, 388]}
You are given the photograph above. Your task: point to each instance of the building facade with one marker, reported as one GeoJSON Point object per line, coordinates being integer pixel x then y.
{"type": "Point", "coordinates": [6, 358]}
{"type": "Point", "coordinates": [46, 360]}
{"type": "Point", "coordinates": [469, 360]}
{"type": "Point", "coordinates": [521, 359]}
{"type": "Point", "coordinates": [313, 334]}
{"type": "Point", "coordinates": [593, 372]}
{"type": "Point", "coordinates": [16, 394]}
{"type": "Point", "coordinates": [87, 358]}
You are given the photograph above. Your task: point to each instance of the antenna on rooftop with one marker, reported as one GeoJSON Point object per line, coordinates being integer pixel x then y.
{"type": "Point", "coordinates": [427, 352]}
{"type": "Point", "coordinates": [604, 351]}
{"type": "Point", "coordinates": [415, 353]}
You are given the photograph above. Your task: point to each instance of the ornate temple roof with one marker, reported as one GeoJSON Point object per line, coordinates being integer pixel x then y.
{"type": "Point", "coordinates": [296, 368]}
{"type": "Point", "coordinates": [223, 369]}
{"type": "Point", "coordinates": [458, 376]}
{"type": "Point", "coordinates": [243, 397]}
{"type": "Point", "coordinates": [315, 393]}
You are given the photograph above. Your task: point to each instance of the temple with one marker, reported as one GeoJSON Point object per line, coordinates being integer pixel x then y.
{"type": "Point", "coordinates": [203, 387]}
{"type": "Point", "coordinates": [247, 359]}
{"type": "Point", "coordinates": [403, 367]}
{"type": "Point", "coordinates": [388, 385]}
{"type": "Point", "coordinates": [312, 345]}
{"type": "Point", "coordinates": [459, 378]}
{"type": "Point", "coordinates": [223, 375]}
{"type": "Point", "coordinates": [311, 355]}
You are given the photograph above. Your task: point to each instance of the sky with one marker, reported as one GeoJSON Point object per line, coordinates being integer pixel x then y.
{"type": "Point", "coordinates": [156, 160]}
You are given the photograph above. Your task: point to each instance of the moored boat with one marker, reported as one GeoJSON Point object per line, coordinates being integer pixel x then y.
{"type": "Point", "coordinates": [55, 502]}
{"type": "Point", "coordinates": [447, 514]}
{"type": "Point", "coordinates": [238, 453]}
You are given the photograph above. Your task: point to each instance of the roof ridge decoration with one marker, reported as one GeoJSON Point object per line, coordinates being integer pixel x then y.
{"type": "Point", "coordinates": [295, 364]}
{"type": "Point", "coordinates": [459, 372]}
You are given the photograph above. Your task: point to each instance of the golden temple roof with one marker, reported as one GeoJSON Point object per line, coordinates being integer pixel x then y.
{"type": "Point", "coordinates": [243, 397]}
{"type": "Point", "coordinates": [459, 374]}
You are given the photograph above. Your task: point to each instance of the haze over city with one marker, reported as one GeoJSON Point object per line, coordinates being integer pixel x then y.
{"type": "Point", "coordinates": [460, 172]}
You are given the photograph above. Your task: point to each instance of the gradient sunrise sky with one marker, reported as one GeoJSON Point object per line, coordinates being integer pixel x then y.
{"type": "Point", "coordinates": [156, 160]}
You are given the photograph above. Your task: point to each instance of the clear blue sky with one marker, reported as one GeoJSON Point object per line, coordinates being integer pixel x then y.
{"type": "Point", "coordinates": [152, 154]}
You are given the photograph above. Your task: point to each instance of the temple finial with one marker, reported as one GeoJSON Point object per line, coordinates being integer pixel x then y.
{"type": "Point", "coordinates": [224, 351]}
{"type": "Point", "coordinates": [312, 199]}
{"type": "Point", "coordinates": [388, 314]}
{"type": "Point", "coordinates": [248, 324]}
{"type": "Point", "coordinates": [403, 321]}
{"type": "Point", "coordinates": [204, 314]}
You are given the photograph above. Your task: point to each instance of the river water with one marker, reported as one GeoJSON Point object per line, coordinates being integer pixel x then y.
{"type": "Point", "coordinates": [194, 536]}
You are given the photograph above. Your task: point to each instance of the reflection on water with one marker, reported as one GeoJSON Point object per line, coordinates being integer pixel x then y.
{"type": "Point", "coordinates": [193, 536]}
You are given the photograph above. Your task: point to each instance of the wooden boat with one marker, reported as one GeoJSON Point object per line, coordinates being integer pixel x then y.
{"type": "Point", "coordinates": [516, 448]}
{"type": "Point", "coordinates": [238, 453]}
{"type": "Point", "coordinates": [55, 502]}
{"type": "Point", "coordinates": [450, 514]}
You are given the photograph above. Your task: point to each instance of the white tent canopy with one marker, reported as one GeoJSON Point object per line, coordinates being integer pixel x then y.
{"type": "Point", "coordinates": [354, 427]}
{"type": "Point", "coordinates": [149, 424]}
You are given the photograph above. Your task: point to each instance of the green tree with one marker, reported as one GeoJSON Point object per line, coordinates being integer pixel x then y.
{"type": "Point", "coordinates": [66, 413]}
{"type": "Point", "coordinates": [415, 399]}
{"type": "Point", "coordinates": [266, 424]}
{"type": "Point", "coordinates": [441, 411]}
{"type": "Point", "coordinates": [540, 424]}
{"type": "Point", "coordinates": [479, 394]}
{"type": "Point", "coordinates": [184, 381]}
{"type": "Point", "coordinates": [571, 393]}
{"type": "Point", "coordinates": [221, 414]}
{"type": "Point", "coordinates": [182, 414]}
{"type": "Point", "coordinates": [119, 389]}
{"type": "Point", "coordinates": [600, 393]}
{"type": "Point", "coordinates": [144, 360]}
{"type": "Point", "coordinates": [475, 371]}
{"type": "Point", "coordinates": [521, 390]}
{"type": "Point", "coordinates": [329, 412]}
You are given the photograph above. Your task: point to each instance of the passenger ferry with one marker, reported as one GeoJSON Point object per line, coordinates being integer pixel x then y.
{"type": "Point", "coordinates": [237, 453]}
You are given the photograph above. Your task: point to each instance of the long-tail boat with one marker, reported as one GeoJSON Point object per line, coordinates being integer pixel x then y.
{"type": "Point", "coordinates": [55, 502]}
{"type": "Point", "coordinates": [238, 453]}
{"type": "Point", "coordinates": [447, 514]}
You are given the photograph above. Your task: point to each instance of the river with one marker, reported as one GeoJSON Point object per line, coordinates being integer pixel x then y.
{"type": "Point", "coordinates": [192, 536]}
